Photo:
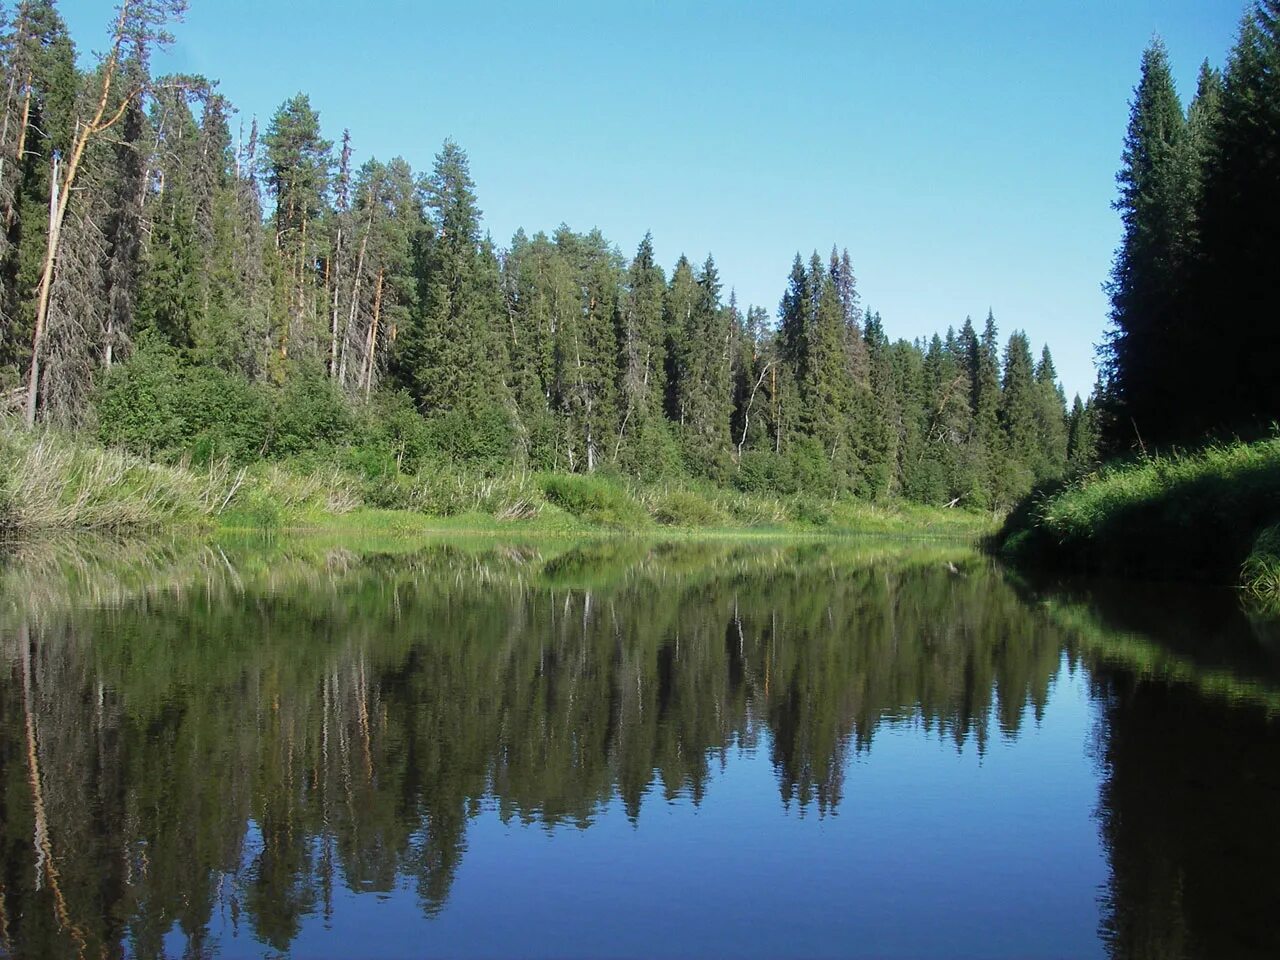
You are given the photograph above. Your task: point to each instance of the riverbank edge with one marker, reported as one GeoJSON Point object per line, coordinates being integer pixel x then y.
{"type": "Point", "coordinates": [1211, 515]}
{"type": "Point", "coordinates": [54, 482]}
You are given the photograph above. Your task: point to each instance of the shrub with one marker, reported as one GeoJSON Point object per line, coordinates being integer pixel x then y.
{"type": "Point", "coordinates": [154, 404]}
{"type": "Point", "coordinates": [763, 471]}
{"type": "Point", "coordinates": [306, 413]}
{"type": "Point", "coordinates": [478, 435]}
{"type": "Point", "coordinates": [651, 452]}
{"type": "Point", "coordinates": [393, 434]}
{"type": "Point", "coordinates": [1261, 571]}
{"type": "Point", "coordinates": [685, 508]}
{"type": "Point", "coordinates": [593, 498]}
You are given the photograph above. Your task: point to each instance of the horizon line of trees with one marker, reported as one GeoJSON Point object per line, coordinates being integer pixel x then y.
{"type": "Point", "coordinates": [1195, 339]}
{"type": "Point", "coordinates": [176, 284]}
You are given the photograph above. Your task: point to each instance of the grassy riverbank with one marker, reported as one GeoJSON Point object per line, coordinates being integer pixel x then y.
{"type": "Point", "coordinates": [1212, 516]}
{"type": "Point", "coordinates": [56, 481]}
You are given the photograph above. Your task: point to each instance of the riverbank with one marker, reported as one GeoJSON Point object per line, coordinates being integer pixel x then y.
{"type": "Point", "coordinates": [1211, 516]}
{"type": "Point", "coordinates": [53, 481]}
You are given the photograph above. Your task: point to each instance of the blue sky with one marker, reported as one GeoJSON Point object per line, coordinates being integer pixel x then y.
{"type": "Point", "coordinates": [965, 153]}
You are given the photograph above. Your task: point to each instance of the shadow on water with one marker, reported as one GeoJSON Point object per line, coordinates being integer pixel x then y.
{"type": "Point", "coordinates": [197, 737]}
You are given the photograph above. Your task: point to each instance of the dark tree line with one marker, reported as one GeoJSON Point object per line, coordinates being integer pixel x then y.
{"type": "Point", "coordinates": [267, 270]}
{"type": "Point", "coordinates": [1195, 309]}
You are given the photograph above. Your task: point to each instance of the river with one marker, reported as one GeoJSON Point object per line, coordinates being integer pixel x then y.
{"type": "Point", "coordinates": [626, 748]}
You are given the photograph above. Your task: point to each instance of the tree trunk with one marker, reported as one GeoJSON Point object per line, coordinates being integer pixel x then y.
{"type": "Point", "coordinates": [373, 337]}
{"type": "Point", "coordinates": [60, 195]}
{"type": "Point", "coordinates": [56, 208]}
{"type": "Point", "coordinates": [333, 319]}
{"type": "Point", "coordinates": [355, 302]}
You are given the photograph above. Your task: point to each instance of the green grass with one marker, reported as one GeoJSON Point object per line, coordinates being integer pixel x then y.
{"type": "Point", "coordinates": [1261, 571]}
{"type": "Point", "coordinates": [1206, 516]}
{"type": "Point", "coordinates": [56, 480]}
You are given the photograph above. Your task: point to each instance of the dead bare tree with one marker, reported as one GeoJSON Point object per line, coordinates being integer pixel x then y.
{"type": "Point", "coordinates": [139, 26]}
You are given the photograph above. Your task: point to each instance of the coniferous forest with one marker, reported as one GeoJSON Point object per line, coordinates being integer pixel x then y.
{"type": "Point", "coordinates": [184, 281]}
{"type": "Point", "coordinates": [1188, 401]}
{"type": "Point", "coordinates": [1195, 340]}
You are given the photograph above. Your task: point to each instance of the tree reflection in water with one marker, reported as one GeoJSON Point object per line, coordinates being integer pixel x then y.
{"type": "Point", "coordinates": [196, 733]}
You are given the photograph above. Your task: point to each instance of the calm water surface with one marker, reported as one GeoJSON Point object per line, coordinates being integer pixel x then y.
{"type": "Point", "coordinates": [626, 749]}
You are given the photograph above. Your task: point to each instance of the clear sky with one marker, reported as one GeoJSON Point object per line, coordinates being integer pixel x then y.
{"type": "Point", "coordinates": [964, 152]}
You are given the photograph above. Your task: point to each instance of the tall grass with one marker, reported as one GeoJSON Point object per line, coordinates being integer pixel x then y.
{"type": "Point", "coordinates": [1192, 516]}
{"type": "Point", "coordinates": [55, 480]}
{"type": "Point", "coordinates": [50, 481]}
{"type": "Point", "coordinates": [1261, 571]}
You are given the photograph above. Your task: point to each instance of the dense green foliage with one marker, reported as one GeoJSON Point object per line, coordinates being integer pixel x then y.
{"type": "Point", "coordinates": [53, 480]}
{"type": "Point", "coordinates": [1193, 350]}
{"type": "Point", "coordinates": [1192, 516]}
{"type": "Point", "coordinates": [259, 298]}
{"type": "Point", "coordinates": [1195, 342]}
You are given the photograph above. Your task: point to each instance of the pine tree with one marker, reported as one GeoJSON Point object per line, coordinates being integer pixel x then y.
{"type": "Point", "coordinates": [586, 348]}
{"type": "Point", "coordinates": [702, 371]}
{"type": "Point", "coordinates": [826, 390]}
{"type": "Point", "coordinates": [40, 90]}
{"type": "Point", "coordinates": [1082, 437]}
{"type": "Point", "coordinates": [530, 297]}
{"type": "Point", "coordinates": [297, 167]}
{"type": "Point", "coordinates": [885, 434]}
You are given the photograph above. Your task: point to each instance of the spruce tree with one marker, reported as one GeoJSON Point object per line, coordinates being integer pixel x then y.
{"type": "Point", "coordinates": [1235, 386]}
{"type": "Point", "coordinates": [1051, 425]}
{"type": "Point", "coordinates": [447, 353]}
{"type": "Point", "coordinates": [642, 361]}
{"type": "Point", "coordinates": [1018, 421]}
{"type": "Point", "coordinates": [1149, 337]}
{"type": "Point", "coordinates": [297, 167]}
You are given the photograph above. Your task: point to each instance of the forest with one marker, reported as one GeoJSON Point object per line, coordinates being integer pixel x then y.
{"type": "Point", "coordinates": [1189, 400]}
{"type": "Point", "coordinates": [184, 283]}
{"type": "Point", "coordinates": [1194, 342]}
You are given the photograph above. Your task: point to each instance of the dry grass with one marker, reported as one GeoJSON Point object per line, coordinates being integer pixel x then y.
{"type": "Point", "coordinates": [50, 481]}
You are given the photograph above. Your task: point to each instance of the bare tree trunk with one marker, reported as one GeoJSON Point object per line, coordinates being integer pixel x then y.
{"type": "Point", "coordinates": [60, 194]}
{"type": "Point", "coordinates": [56, 208]}
{"type": "Point", "coordinates": [46, 862]}
{"type": "Point", "coordinates": [373, 337]}
{"type": "Point", "coordinates": [333, 318]}
{"type": "Point", "coordinates": [777, 423]}
{"type": "Point", "coordinates": [746, 417]}
{"type": "Point", "coordinates": [19, 148]}
{"type": "Point", "coordinates": [355, 300]}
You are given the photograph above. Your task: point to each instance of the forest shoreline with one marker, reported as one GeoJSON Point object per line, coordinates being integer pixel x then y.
{"type": "Point", "coordinates": [53, 482]}
{"type": "Point", "coordinates": [1211, 515]}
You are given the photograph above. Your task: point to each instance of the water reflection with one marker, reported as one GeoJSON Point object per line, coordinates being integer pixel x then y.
{"type": "Point", "coordinates": [200, 738]}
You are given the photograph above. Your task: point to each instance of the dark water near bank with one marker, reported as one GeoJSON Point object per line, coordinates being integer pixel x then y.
{"type": "Point", "coordinates": [626, 749]}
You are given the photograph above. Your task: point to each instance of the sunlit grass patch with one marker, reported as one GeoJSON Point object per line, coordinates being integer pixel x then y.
{"type": "Point", "coordinates": [1183, 516]}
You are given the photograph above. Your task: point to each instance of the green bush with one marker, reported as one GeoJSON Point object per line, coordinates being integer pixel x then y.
{"type": "Point", "coordinates": [307, 413]}
{"type": "Point", "coordinates": [475, 435]}
{"type": "Point", "coordinates": [650, 452]}
{"type": "Point", "coordinates": [811, 511]}
{"type": "Point", "coordinates": [685, 508]}
{"type": "Point", "coordinates": [1261, 571]}
{"type": "Point", "coordinates": [763, 471]}
{"type": "Point", "coordinates": [139, 404]}
{"type": "Point", "coordinates": [593, 498]}
{"type": "Point", "coordinates": [393, 434]}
